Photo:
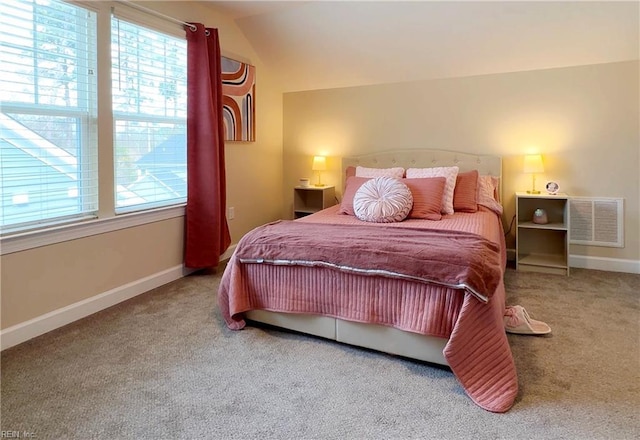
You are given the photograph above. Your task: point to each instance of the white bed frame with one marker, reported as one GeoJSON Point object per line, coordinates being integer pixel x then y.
{"type": "Point", "coordinates": [378, 337]}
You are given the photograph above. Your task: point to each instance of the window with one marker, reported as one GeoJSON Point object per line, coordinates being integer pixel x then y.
{"type": "Point", "coordinates": [149, 93]}
{"type": "Point", "coordinates": [49, 121]}
{"type": "Point", "coordinates": [48, 140]}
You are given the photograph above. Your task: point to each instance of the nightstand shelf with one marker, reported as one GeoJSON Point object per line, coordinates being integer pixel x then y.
{"type": "Point", "coordinates": [559, 226]}
{"type": "Point", "coordinates": [542, 247]}
{"type": "Point", "coordinates": [556, 261]}
{"type": "Point", "coordinates": [311, 199]}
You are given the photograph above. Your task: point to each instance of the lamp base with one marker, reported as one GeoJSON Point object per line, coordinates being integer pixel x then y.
{"type": "Point", "coordinates": [319, 185]}
{"type": "Point", "coordinates": [533, 192]}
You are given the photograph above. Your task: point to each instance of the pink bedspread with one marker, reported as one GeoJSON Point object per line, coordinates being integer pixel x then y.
{"type": "Point", "coordinates": [477, 351]}
{"type": "Point", "coordinates": [454, 259]}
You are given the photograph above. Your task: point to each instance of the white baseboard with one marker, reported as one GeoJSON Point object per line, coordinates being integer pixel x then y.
{"type": "Point", "coordinates": [602, 263]}
{"type": "Point", "coordinates": [229, 252]}
{"type": "Point", "coordinates": [66, 315]}
{"type": "Point", "coordinates": [595, 263]}
{"type": "Point", "coordinates": [50, 321]}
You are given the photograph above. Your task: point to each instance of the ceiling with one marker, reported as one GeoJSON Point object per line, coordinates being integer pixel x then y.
{"type": "Point", "coordinates": [325, 44]}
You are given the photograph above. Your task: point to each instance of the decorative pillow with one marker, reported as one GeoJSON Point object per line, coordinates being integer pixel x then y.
{"type": "Point", "coordinates": [488, 193]}
{"type": "Point", "coordinates": [465, 194]}
{"type": "Point", "coordinates": [427, 197]}
{"type": "Point", "coordinates": [353, 184]}
{"type": "Point", "coordinates": [380, 172]}
{"type": "Point", "coordinates": [450, 173]}
{"type": "Point", "coordinates": [383, 200]}
{"type": "Point", "coordinates": [350, 172]}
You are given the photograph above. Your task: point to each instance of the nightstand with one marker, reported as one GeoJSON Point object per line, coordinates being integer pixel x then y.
{"type": "Point", "coordinates": [310, 199]}
{"type": "Point", "coordinates": [542, 247]}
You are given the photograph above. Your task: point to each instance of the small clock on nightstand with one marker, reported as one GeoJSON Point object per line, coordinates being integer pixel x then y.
{"type": "Point", "coordinates": [552, 187]}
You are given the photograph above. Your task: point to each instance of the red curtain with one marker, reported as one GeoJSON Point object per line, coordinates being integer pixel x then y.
{"type": "Point", "coordinates": [207, 231]}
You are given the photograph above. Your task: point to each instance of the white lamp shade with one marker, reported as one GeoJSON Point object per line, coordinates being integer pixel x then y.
{"type": "Point", "coordinates": [319, 163]}
{"type": "Point", "coordinates": [533, 163]}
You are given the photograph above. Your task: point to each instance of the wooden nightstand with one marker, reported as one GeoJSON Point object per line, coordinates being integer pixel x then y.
{"type": "Point", "coordinates": [542, 247]}
{"type": "Point", "coordinates": [310, 199]}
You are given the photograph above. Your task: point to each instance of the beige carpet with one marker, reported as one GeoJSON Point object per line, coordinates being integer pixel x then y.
{"type": "Point", "coordinates": [163, 366]}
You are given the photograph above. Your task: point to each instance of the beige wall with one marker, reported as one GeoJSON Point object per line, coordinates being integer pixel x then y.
{"type": "Point", "coordinates": [41, 280]}
{"type": "Point", "coordinates": [584, 120]}
{"type": "Point", "coordinates": [45, 279]}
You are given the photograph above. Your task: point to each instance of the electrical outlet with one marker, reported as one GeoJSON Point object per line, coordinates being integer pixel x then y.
{"type": "Point", "coordinates": [231, 213]}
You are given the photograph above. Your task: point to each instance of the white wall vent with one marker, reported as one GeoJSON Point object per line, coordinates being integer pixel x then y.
{"type": "Point", "coordinates": [596, 221]}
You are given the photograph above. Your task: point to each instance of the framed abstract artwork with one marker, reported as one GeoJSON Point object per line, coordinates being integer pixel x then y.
{"type": "Point", "coordinates": [238, 100]}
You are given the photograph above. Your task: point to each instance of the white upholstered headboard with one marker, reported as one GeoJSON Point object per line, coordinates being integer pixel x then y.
{"type": "Point", "coordinates": [485, 164]}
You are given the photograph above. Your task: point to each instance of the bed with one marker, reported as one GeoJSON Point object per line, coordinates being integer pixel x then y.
{"type": "Point", "coordinates": [419, 315]}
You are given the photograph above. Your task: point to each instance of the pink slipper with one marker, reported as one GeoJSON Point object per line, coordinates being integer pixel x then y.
{"type": "Point", "coordinates": [518, 321]}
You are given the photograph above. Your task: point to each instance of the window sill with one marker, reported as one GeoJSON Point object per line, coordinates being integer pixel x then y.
{"type": "Point", "coordinates": [45, 237]}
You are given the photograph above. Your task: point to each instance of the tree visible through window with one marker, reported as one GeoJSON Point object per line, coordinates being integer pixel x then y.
{"type": "Point", "coordinates": [48, 115]}
{"type": "Point", "coordinates": [48, 147]}
{"type": "Point", "coordinates": [149, 85]}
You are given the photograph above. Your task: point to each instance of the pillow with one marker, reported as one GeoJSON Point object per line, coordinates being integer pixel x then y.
{"type": "Point", "coordinates": [382, 200]}
{"type": "Point", "coordinates": [427, 197]}
{"type": "Point", "coordinates": [353, 184]}
{"type": "Point", "coordinates": [450, 173]}
{"type": "Point", "coordinates": [465, 194]}
{"type": "Point", "coordinates": [488, 193]}
{"type": "Point", "coordinates": [349, 172]}
{"type": "Point", "coordinates": [380, 172]}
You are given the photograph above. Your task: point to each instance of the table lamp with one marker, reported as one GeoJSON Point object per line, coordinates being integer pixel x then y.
{"type": "Point", "coordinates": [533, 165]}
{"type": "Point", "coordinates": [319, 164]}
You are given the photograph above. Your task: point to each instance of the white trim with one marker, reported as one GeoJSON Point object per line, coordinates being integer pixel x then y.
{"type": "Point", "coordinates": [43, 237]}
{"type": "Point", "coordinates": [50, 321]}
{"type": "Point", "coordinates": [228, 253]}
{"type": "Point", "coordinates": [603, 263]}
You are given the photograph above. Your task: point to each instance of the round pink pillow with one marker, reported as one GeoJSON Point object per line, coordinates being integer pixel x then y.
{"type": "Point", "coordinates": [382, 200]}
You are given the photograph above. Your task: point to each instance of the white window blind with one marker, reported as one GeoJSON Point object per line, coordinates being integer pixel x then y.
{"type": "Point", "coordinates": [48, 135]}
{"type": "Point", "coordinates": [149, 93]}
